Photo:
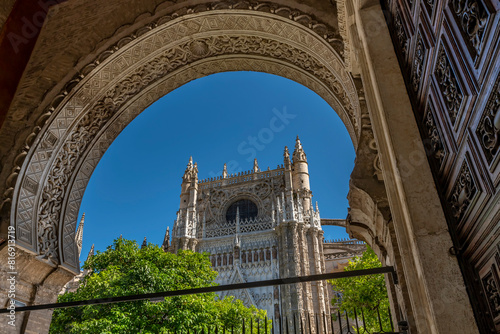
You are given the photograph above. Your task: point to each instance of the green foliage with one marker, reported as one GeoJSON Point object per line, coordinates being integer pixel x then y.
{"type": "Point", "coordinates": [364, 292]}
{"type": "Point", "coordinates": [125, 269]}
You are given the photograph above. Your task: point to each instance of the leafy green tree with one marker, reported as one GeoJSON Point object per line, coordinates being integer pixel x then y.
{"type": "Point", "coordinates": [125, 269]}
{"type": "Point", "coordinates": [367, 293]}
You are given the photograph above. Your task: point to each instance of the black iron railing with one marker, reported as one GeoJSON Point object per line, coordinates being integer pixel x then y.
{"type": "Point", "coordinates": [291, 322]}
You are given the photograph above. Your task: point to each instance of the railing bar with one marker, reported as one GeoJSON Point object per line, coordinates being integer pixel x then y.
{"type": "Point", "coordinates": [286, 323]}
{"type": "Point", "coordinates": [390, 318]}
{"type": "Point", "coordinates": [347, 321]}
{"type": "Point", "coordinates": [340, 323]}
{"type": "Point", "coordinates": [317, 326]}
{"type": "Point", "coordinates": [294, 325]}
{"type": "Point", "coordinates": [364, 321]}
{"type": "Point", "coordinates": [325, 327]}
{"type": "Point", "coordinates": [331, 323]}
{"type": "Point", "coordinates": [309, 320]}
{"type": "Point", "coordinates": [379, 320]}
{"type": "Point", "coordinates": [237, 286]}
{"type": "Point", "coordinates": [356, 318]}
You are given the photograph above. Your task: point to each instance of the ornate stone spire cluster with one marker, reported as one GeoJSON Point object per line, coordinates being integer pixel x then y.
{"type": "Point", "coordinates": [191, 173]}
{"type": "Point", "coordinates": [294, 211]}
{"type": "Point", "coordinates": [256, 168]}
{"type": "Point", "coordinates": [298, 153]}
{"type": "Point", "coordinates": [79, 235]}
{"type": "Point", "coordinates": [91, 252]}
{"type": "Point", "coordinates": [166, 240]}
{"type": "Point", "coordinates": [286, 158]}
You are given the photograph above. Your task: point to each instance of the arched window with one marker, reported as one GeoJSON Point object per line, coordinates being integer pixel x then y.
{"type": "Point", "coordinates": [247, 209]}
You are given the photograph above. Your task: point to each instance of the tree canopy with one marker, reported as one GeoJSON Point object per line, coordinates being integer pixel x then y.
{"type": "Point", "coordinates": [125, 269]}
{"type": "Point", "coordinates": [364, 293]}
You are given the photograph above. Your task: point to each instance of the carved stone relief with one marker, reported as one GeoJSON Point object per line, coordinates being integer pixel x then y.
{"type": "Point", "coordinates": [448, 85]}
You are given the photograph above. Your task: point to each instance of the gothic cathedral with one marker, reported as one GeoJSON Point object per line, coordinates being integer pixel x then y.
{"type": "Point", "coordinates": [258, 225]}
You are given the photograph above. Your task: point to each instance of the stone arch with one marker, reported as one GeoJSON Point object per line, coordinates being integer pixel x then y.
{"type": "Point", "coordinates": [78, 116]}
{"type": "Point", "coordinates": [139, 69]}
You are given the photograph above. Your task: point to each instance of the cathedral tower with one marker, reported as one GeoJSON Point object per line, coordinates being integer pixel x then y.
{"type": "Point", "coordinates": [258, 225]}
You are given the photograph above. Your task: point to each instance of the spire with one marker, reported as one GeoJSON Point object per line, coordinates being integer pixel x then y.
{"type": "Point", "coordinates": [191, 172]}
{"type": "Point", "coordinates": [255, 166]}
{"type": "Point", "coordinates": [224, 172]}
{"type": "Point", "coordinates": [79, 234]}
{"type": "Point", "coordinates": [166, 240]}
{"type": "Point", "coordinates": [286, 158]}
{"type": "Point", "coordinates": [237, 219]}
{"type": "Point", "coordinates": [298, 153]}
{"type": "Point", "coordinates": [144, 243]}
{"type": "Point", "coordinates": [91, 252]}
{"type": "Point", "coordinates": [298, 145]}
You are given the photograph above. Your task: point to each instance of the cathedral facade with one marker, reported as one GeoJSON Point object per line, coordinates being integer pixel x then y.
{"type": "Point", "coordinates": [258, 225]}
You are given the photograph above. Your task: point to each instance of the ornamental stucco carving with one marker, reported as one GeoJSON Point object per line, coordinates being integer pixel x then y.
{"type": "Point", "coordinates": [67, 142]}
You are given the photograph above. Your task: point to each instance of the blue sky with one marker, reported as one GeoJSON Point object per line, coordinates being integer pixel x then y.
{"type": "Point", "coordinates": [223, 118]}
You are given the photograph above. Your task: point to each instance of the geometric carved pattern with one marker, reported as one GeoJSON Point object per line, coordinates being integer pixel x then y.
{"type": "Point", "coordinates": [401, 33]}
{"type": "Point", "coordinates": [448, 85]}
{"type": "Point", "coordinates": [418, 63]}
{"type": "Point", "coordinates": [492, 293]}
{"type": "Point", "coordinates": [472, 18]}
{"type": "Point", "coordinates": [489, 126]}
{"type": "Point", "coordinates": [463, 191]}
{"type": "Point", "coordinates": [433, 134]}
{"type": "Point", "coordinates": [30, 185]}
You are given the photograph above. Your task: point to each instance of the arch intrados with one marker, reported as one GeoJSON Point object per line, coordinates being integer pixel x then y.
{"type": "Point", "coordinates": [240, 60]}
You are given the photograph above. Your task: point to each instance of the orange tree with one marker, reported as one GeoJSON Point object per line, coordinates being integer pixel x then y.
{"type": "Point", "coordinates": [367, 293]}
{"type": "Point", "coordinates": [125, 269]}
